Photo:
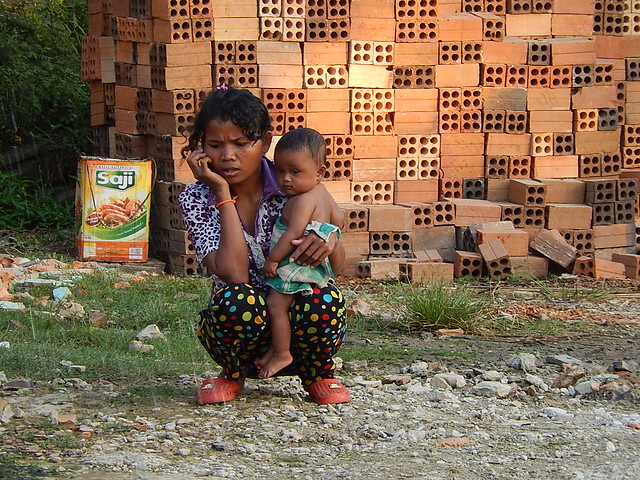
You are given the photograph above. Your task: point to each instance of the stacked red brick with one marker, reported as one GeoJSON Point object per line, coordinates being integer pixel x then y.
{"type": "Point", "coordinates": [438, 115]}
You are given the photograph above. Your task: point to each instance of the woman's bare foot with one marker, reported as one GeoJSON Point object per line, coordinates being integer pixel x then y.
{"type": "Point", "coordinates": [263, 360]}
{"type": "Point", "coordinates": [277, 362]}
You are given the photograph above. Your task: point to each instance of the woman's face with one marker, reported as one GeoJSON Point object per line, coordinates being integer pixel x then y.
{"type": "Point", "coordinates": [233, 156]}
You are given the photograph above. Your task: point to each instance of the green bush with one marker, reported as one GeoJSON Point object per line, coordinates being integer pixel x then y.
{"type": "Point", "coordinates": [43, 101]}
{"type": "Point", "coordinates": [25, 205]}
{"type": "Point", "coordinates": [444, 306]}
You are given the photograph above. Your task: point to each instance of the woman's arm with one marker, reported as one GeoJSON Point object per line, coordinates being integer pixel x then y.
{"type": "Point", "coordinates": [230, 262]}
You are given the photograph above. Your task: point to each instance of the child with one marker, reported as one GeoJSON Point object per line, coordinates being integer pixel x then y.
{"type": "Point", "coordinates": [300, 157]}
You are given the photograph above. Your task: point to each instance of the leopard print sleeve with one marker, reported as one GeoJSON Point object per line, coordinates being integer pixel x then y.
{"type": "Point", "coordinates": [201, 218]}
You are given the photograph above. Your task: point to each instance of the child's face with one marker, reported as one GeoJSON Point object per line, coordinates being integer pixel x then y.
{"type": "Point", "coordinates": [297, 171]}
{"type": "Point", "coordinates": [233, 156]}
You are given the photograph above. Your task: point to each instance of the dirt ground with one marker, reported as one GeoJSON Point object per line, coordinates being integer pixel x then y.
{"type": "Point", "coordinates": [403, 421]}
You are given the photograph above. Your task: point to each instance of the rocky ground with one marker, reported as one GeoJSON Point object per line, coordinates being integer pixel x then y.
{"type": "Point", "coordinates": [471, 407]}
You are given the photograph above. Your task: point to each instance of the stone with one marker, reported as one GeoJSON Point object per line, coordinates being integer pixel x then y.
{"type": "Point", "coordinates": [150, 332]}
{"type": "Point", "coordinates": [554, 412]}
{"type": "Point", "coordinates": [355, 365]}
{"type": "Point", "coordinates": [452, 380]}
{"type": "Point", "coordinates": [4, 305]}
{"type": "Point", "coordinates": [17, 384]}
{"type": "Point", "coordinates": [569, 377]}
{"type": "Point", "coordinates": [537, 382]}
{"type": "Point", "coordinates": [492, 375]}
{"type": "Point", "coordinates": [359, 308]}
{"type": "Point", "coordinates": [6, 412]}
{"type": "Point", "coordinates": [584, 388]}
{"type": "Point", "coordinates": [560, 359]}
{"type": "Point", "coordinates": [396, 379]}
{"type": "Point", "coordinates": [421, 369]}
{"type": "Point", "coordinates": [622, 366]}
{"type": "Point", "coordinates": [491, 389]}
{"type": "Point", "coordinates": [61, 292]}
{"type": "Point", "coordinates": [527, 362]}
{"type": "Point", "coordinates": [140, 347]}
{"type": "Point", "coordinates": [98, 319]}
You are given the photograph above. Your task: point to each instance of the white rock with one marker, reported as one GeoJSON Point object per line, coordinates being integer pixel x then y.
{"type": "Point", "coordinates": [4, 305]}
{"type": "Point", "coordinates": [442, 396]}
{"type": "Point", "coordinates": [149, 332]}
{"type": "Point", "coordinates": [536, 381]}
{"type": "Point", "coordinates": [439, 382]}
{"type": "Point", "coordinates": [491, 389]}
{"type": "Point", "coordinates": [492, 376]}
{"type": "Point", "coordinates": [6, 414]}
{"type": "Point", "coordinates": [554, 412]}
{"type": "Point", "coordinates": [610, 447]}
{"type": "Point", "coordinates": [417, 388]}
{"type": "Point", "coordinates": [370, 383]}
{"type": "Point", "coordinates": [452, 380]}
{"type": "Point", "coordinates": [421, 369]}
{"type": "Point", "coordinates": [584, 388]}
{"type": "Point", "coordinates": [527, 362]}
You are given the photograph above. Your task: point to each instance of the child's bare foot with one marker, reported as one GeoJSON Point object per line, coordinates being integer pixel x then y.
{"type": "Point", "coordinates": [277, 362]}
{"type": "Point", "coordinates": [262, 361]}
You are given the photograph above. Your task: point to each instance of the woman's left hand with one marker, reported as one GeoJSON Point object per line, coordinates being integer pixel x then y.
{"type": "Point", "coordinates": [313, 250]}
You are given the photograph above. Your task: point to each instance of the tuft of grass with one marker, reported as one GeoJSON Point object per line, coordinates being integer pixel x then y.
{"type": "Point", "coordinates": [443, 306]}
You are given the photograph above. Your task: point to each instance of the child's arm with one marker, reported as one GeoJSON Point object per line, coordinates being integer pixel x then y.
{"type": "Point", "coordinates": [304, 207]}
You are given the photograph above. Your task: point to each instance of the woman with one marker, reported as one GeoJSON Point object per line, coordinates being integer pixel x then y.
{"type": "Point", "coordinates": [230, 213]}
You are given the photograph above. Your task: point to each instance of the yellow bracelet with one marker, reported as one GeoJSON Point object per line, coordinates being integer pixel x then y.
{"type": "Point", "coordinates": [230, 200]}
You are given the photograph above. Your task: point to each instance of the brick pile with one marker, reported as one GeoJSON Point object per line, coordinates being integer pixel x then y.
{"type": "Point", "coordinates": [468, 127]}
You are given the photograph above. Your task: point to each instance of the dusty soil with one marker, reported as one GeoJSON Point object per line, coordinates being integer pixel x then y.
{"type": "Point", "coordinates": [404, 422]}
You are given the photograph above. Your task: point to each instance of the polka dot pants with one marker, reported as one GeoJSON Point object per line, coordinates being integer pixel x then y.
{"type": "Point", "coordinates": [235, 331]}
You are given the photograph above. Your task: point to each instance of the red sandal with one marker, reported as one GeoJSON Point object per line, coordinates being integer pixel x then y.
{"type": "Point", "coordinates": [329, 391]}
{"type": "Point", "coordinates": [217, 390]}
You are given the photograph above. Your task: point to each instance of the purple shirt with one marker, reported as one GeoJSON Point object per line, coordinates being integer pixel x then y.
{"type": "Point", "coordinates": [202, 219]}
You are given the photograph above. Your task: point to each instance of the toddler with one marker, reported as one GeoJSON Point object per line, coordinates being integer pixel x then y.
{"type": "Point", "coordinates": [299, 157]}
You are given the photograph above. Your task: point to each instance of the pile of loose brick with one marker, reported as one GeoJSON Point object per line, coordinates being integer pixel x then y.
{"type": "Point", "coordinates": [465, 137]}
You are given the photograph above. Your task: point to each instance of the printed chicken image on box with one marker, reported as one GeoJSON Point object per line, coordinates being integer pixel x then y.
{"type": "Point", "coordinates": [112, 209]}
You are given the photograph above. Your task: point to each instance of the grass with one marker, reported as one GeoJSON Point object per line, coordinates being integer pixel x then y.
{"type": "Point", "coordinates": [40, 341]}
{"type": "Point", "coordinates": [555, 290]}
{"type": "Point", "coordinates": [535, 326]}
{"type": "Point", "coordinates": [438, 306]}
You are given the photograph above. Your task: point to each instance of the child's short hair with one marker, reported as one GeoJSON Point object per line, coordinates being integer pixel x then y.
{"type": "Point", "coordinates": [301, 138]}
{"type": "Point", "coordinates": [229, 104]}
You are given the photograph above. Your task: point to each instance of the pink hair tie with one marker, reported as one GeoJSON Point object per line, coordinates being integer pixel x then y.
{"type": "Point", "coordinates": [222, 86]}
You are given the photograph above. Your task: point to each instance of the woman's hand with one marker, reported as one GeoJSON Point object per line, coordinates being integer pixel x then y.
{"type": "Point", "coordinates": [200, 165]}
{"type": "Point", "coordinates": [313, 250]}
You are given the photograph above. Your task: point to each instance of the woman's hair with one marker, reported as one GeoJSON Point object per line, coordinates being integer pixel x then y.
{"type": "Point", "coordinates": [304, 138]}
{"type": "Point", "coordinates": [229, 104]}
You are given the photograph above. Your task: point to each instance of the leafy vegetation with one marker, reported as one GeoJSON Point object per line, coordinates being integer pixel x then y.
{"type": "Point", "coordinates": [44, 104]}
{"type": "Point", "coordinates": [445, 306]}
{"type": "Point", "coordinates": [25, 205]}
